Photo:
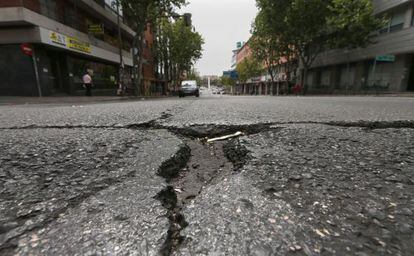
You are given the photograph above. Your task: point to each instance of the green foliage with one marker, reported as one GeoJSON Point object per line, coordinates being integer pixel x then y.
{"type": "Point", "coordinates": [267, 46]}
{"type": "Point", "coordinates": [185, 46]}
{"type": "Point", "coordinates": [353, 23]}
{"type": "Point", "coordinates": [144, 11]}
{"type": "Point", "coordinates": [194, 75]}
{"type": "Point", "coordinates": [308, 27]}
{"type": "Point", "coordinates": [227, 81]}
{"type": "Point", "coordinates": [138, 13]}
{"type": "Point", "coordinates": [248, 68]}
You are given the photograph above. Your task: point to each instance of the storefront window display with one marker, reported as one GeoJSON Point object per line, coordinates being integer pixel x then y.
{"type": "Point", "coordinates": [104, 75]}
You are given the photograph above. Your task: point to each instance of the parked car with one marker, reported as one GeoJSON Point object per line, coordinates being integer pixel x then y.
{"type": "Point", "coordinates": [189, 88]}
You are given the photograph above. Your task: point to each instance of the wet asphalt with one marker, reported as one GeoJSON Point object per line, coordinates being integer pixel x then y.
{"type": "Point", "coordinates": [310, 176]}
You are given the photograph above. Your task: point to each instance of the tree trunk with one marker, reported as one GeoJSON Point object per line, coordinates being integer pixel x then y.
{"type": "Point", "coordinates": [304, 77]}
{"type": "Point", "coordinates": [287, 80]}
{"type": "Point", "coordinates": [134, 63]}
{"type": "Point", "coordinates": [139, 59]}
{"type": "Point", "coordinates": [139, 90]}
{"type": "Point", "coordinates": [272, 80]}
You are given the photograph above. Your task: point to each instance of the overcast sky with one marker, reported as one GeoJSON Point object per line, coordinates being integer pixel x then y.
{"type": "Point", "coordinates": [222, 24]}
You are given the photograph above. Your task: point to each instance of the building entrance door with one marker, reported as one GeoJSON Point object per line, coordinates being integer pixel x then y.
{"type": "Point", "coordinates": [58, 83]}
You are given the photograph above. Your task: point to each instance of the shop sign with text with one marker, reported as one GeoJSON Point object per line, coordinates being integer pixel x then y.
{"type": "Point", "coordinates": [58, 38]}
{"type": "Point", "coordinates": [96, 29]}
{"type": "Point", "coordinates": [75, 44]}
{"type": "Point", "coordinates": [69, 42]}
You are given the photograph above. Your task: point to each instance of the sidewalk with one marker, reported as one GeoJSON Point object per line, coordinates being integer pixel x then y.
{"type": "Point", "coordinates": [67, 100]}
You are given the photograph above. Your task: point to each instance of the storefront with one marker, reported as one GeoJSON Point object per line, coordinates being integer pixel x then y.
{"type": "Point", "coordinates": [55, 66]}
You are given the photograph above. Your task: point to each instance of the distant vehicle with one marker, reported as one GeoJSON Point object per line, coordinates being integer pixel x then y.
{"type": "Point", "coordinates": [218, 90]}
{"type": "Point", "coordinates": [189, 88]}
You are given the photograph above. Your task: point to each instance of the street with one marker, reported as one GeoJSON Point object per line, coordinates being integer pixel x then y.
{"type": "Point", "coordinates": [308, 176]}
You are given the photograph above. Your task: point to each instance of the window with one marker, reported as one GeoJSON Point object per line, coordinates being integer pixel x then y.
{"type": "Point", "coordinates": [383, 75]}
{"type": "Point", "coordinates": [395, 23]}
{"type": "Point", "coordinates": [70, 17]}
{"type": "Point", "coordinates": [412, 20]}
{"type": "Point", "coordinates": [100, 2]}
{"type": "Point", "coordinates": [104, 75]}
{"type": "Point", "coordinates": [48, 8]}
{"type": "Point", "coordinates": [112, 4]}
{"type": "Point", "coordinates": [347, 77]}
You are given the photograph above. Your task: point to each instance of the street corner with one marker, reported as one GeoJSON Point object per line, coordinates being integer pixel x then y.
{"type": "Point", "coordinates": [58, 184]}
{"type": "Point", "coordinates": [352, 187]}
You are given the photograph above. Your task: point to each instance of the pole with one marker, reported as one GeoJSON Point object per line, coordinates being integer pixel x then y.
{"type": "Point", "coordinates": [348, 83]}
{"type": "Point", "coordinates": [76, 15]}
{"type": "Point", "coordinates": [120, 46]}
{"type": "Point", "coordinates": [39, 89]}
{"type": "Point", "coordinates": [373, 71]}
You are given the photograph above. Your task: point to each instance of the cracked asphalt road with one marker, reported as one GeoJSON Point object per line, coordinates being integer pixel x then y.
{"type": "Point", "coordinates": [312, 176]}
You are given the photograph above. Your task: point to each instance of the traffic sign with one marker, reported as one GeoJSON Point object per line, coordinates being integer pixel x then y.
{"type": "Point", "coordinates": [26, 49]}
{"type": "Point", "coordinates": [385, 58]}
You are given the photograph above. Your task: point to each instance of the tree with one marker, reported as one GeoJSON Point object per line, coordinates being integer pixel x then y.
{"type": "Point", "coordinates": [353, 23]}
{"type": "Point", "coordinates": [227, 82]}
{"type": "Point", "coordinates": [308, 27]}
{"type": "Point", "coordinates": [140, 13]}
{"type": "Point", "coordinates": [267, 47]}
{"type": "Point", "coordinates": [194, 75]}
{"type": "Point", "coordinates": [185, 48]}
{"type": "Point", "coordinates": [161, 48]}
{"type": "Point", "coordinates": [248, 68]}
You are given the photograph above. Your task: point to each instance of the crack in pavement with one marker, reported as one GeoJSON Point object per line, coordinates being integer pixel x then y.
{"type": "Point", "coordinates": [194, 167]}
{"type": "Point", "coordinates": [168, 198]}
{"type": "Point", "coordinates": [180, 171]}
{"type": "Point", "coordinates": [211, 130]}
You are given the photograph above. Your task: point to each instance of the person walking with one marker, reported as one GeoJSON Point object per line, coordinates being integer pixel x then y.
{"type": "Point", "coordinates": [87, 82]}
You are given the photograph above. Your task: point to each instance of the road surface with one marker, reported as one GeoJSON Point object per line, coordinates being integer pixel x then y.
{"type": "Point", "coordinates": [309, 176]}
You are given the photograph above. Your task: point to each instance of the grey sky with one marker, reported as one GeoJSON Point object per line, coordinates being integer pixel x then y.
{"type": "Point", "coordinates": [222, 23]}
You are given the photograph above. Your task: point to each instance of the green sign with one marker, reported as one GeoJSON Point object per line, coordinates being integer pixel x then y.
{"type": "Point", "coordinates": [96, 29]}
{"type": "Point", "coordinates": [385, 58]}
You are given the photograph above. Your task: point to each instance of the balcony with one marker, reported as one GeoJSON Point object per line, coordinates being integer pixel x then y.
{"type": "Point", "coordinates": [384, 5]}
{"type": "Point", "coordinates": [396, 43]}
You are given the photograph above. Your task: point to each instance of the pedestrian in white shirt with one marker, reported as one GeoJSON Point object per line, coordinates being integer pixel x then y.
{"type": "Point", "coordinates": [87, 82]}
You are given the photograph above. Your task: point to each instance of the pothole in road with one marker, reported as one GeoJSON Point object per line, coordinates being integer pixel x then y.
{"type": "Point", "coordinates": [207, 164]}
{"type": "Point", "coordinates": [195, 166]}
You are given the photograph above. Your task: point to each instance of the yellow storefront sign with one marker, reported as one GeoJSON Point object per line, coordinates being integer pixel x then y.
{"type": "Point", "coordinates": [58, 38]}
{"type": "Point", "coordinates": [75, 44]}
{"type": "Point", "coordinates": [69, 42]}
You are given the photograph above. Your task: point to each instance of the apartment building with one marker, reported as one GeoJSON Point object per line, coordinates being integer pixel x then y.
{"type": "Point", "coordinates": [154, 81]}
{"type": "Point", "coordinates": [260, 85]}
{"type": "Point", "coordinates": [385, 66]}
{"type": "Point", "coordinates": [47, 45]}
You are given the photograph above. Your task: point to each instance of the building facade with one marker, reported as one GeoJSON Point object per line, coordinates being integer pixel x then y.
{"type": "Point", "coordinates": [386, 66]}
{"type": "Point", "coordinates": [261, 85]}
{"type": "Point", "coordinates": [47, 45]}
